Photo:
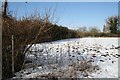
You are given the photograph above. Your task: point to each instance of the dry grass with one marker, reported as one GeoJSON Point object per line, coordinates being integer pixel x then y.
{"type": "Point", "coordinates": [87, 67]}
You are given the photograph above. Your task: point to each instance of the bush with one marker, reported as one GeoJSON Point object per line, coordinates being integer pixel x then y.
{"type": "Point", "coordinates": [25, 31]}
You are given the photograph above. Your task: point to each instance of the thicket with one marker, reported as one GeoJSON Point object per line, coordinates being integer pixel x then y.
{"type": "Point", "coordinates": [95, 32]}
{"type": "Point", "coordinates": [25, 31]}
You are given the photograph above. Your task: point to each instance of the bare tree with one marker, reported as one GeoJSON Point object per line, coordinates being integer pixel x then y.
{"type": "Point", "coordinates": [81, 31]}
{"type": "Point", "coordinates": [48, 18]}
{"type": "Point", "coordinates": [5, 7]}
{"type": "Point", "coordinates": [94, 30]}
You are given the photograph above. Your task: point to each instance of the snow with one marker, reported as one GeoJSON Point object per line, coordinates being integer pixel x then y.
{"type": "Point", "coordinates": [52, 57]}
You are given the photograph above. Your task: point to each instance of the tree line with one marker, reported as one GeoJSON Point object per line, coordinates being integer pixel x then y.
{"type": "Point", "coordinates": [110, 29]}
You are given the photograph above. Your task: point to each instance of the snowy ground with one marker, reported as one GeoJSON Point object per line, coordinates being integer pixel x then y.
{"type": "Point", "coordinates": [63, 58]}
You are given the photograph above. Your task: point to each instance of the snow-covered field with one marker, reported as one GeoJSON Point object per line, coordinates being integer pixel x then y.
{"type": "Point", "coordinates": [64, 58]}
